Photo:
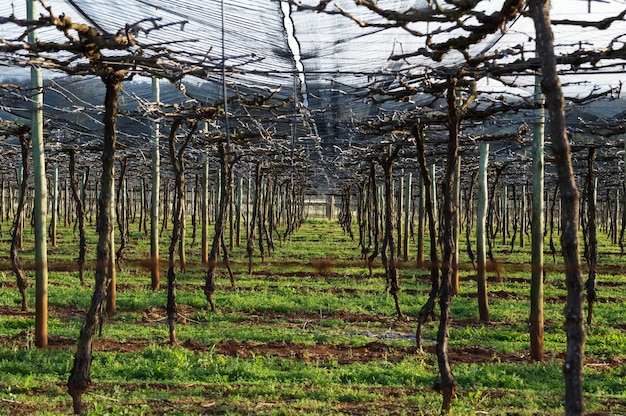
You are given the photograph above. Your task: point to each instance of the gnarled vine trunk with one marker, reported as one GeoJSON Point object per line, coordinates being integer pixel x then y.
{"type": "Point", "coordinates": [178, 167]}
{"type": "Point", "coordinates": [592, 238]}
{"type": "Point", "coordinates": [18, 228]}
{"type": "Point", "coordinates": [389, 252]}
{"type": "Point", "coordinates": [120, 210]}
{"type": "Point", "coordinates": [80, 377]}
{"type": "Point", "coordinates": [449, 212]}
{"type": "Point", "coordinates": [220, 225]}
{"type": "Point", "coordinates": [574, 321]}
{"type": "Point", "coordinates": [373, 217]}
{"type": "Point", "coordinates": [80, 213]}
{"type": "Point", "coordinates": [255, 215]}
{"type": "Point", "coordinates": [427, 309]}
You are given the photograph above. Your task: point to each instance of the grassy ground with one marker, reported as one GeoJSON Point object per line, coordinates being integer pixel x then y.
{"type": "Point", "coordinates": [308, 333]}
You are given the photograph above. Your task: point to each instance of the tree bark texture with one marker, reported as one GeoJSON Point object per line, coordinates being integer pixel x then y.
{"type": "Point", "coordinates": [80, 377]}
{"type": "Point", "coordinates": [449, 212]}
{"type": "Point", "coordinates": [362, 217]}
{"type": "Point", "coordinates": [18, 227]}
{"type": "Point", "coordinates": [592, 239]}
{"type": "Point", "coordinates": [427, 309]}
{"type": "Point", "coordinates": [421, 215]}
{"type": "Point", "coordinates": [238, 212]}
{"type": "Point", "coordinates": [80, 214]}
{"type": "Point", "coordinates": [399, 211]}
{"type": "Point", "coordinates": [225, 249]}
{"type": "Point", "coordinates": [120, 209]}
{"type": "Point", "coordinates": [456, 227]}
{"type": "Point", "coordinates": [194, 212]}
{"type": "Point", "coordinates": [255, 215]}
{"type": "Point", "coordinates": [515, 215]}
{"type": "Point", "coordinates": [111, 304]}
{"type": "Point", "coordinates": [552, 225]}
{"type": "Point", "coordinates": [574, 321]}
{"type": "Point", "coordinates": [345, 212]}
{"type": "Point", "coordinates": [178, 167]}
{"type": "Point", "coordinates": [220, 225]}
{"type": "Point", "coordinates": [623, 225]}
{"type": "Point", "coordinates": [389, 253]}
{"type": "Point", "coordinates": [374, 217]}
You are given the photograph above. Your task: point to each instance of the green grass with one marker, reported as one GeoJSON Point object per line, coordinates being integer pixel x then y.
{"type": "Point", "coordinates": [297, 338]}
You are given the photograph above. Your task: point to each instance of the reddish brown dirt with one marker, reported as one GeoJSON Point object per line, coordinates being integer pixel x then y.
{"type": "Point", "coordinates": [341, 353]}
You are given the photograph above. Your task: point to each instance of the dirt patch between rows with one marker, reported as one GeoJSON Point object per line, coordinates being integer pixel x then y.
{"type": "Point", "coordinates": [342, 354]}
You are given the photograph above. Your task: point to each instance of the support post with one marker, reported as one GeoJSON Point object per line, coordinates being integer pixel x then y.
{"type": "Point", "coordinates": [40, 208]}
{"type": "Point", "coordinates": [54, 221]}
{"type": "Point", "coordinates": [218, 190]}
{"type": "Point", "coordinates": [522, 217]}
{"type": "Point", "coordinates": [205, 213]}
{"type": "Point", "coordinates": [433, 191]}
{"type": "Point", "coordinates": [421, 219]}
{"type": "Point", "coordinates": [536, 285]}
{"type": "Point", "coordinates": [457, 226]}
{"type": "Point", "coordinates": [155, 271]}
{"type": "Point", "coordinates": [330, 203]}
{"type": "Point", "coordinates": [238, 210]}
{"type": "Point", "coordinates": [407, 214]}
{"type": "Point", "coordinates": [481, 233]}
{"type": "Point", "coordinates": [400, 207]}
{"type": "Point", "coordinates": [112, 293]}
{"type": "Point", "coordinates": [505, 214]}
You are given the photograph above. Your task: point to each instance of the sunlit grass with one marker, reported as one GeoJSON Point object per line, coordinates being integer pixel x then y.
{"type": "Point", "coordinates": [288, 299]}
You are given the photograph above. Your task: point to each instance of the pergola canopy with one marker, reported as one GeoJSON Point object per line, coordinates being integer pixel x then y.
{"type": "Point", "coordinates": [326, 84]}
